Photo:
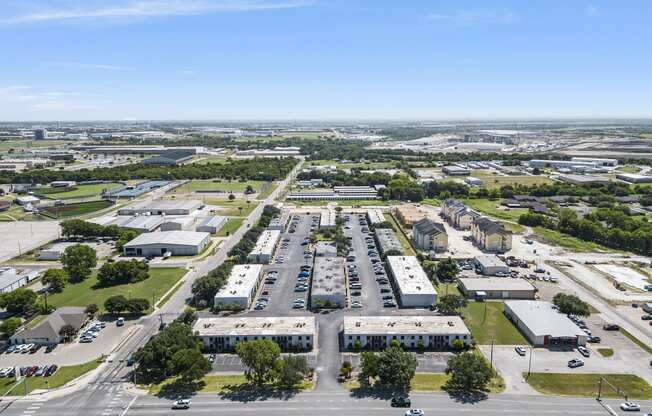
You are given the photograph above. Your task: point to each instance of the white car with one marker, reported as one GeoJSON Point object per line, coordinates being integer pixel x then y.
{"type": "Point", "coordinates": [520, 351]}
{"type": "Point", "coordinates": [584, 351]}
{"type": "Point", "coordinates": [181, 404]}
{"type": "Point", "coordinates": [414, 412]}
{"type": "Point", "coordinates": [630, 407]}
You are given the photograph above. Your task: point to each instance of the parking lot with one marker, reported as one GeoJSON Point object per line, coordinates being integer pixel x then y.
{"type": "Point", "coordinates": [231, 362]}
{"type": "Point", "coordinates": [428, 362]}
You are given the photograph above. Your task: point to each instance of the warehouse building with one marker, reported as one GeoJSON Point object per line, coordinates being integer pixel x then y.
{"type": "Point", "coordinates": [386, 241]}
{"type": "Point", "coordinates": [429, 331]}
{"type": "Point", "coordinates": [211, 225]}
{"type": "Point", "coordinates": [265, 246]}
{"type": "Point", "coordinates": [490, 265]}
{"type": "Point", "coordinates": [455, 171]}
{"type": "Point", "coordinates": [583, 179]}
{"type": "Point", "coordinates": [411, 282]}
{"type": "Point", "coordinates": [178, 243]}
{"type": "Point", "coordinates": [375, 216]}
{"type": "Point", "coordinates": [430, 235]}
{"type": "Point", "coordinates": [327, 219]}
{"type": "Point", "coordinates": [291, 333]}
{"type": "Point", "coordinates": [612, 163]}
{"type": "Point", "coordinates": [634, 178]}
{"type": "Point", "coordinates": [142, 223]}
{"type": "Point", "coordinates": [542, 325]}
{"type": "Point", "coordinates": [170, 158]}
{"type": "Point", "coordinates": [328, 282]}
{"type": "Point", "coordinates": [133, 191]}
{"type": "Point", "coordinates": [11, 279]}
{"type": "Point", "coordinates": [576, 166]}
{"type": "Point", "coordinates": [280, 221]}
{"type": "Point", "coordinates": [162, 207]}
{"type": "Point", "coordinates": [241, 287]}
{"type": "Point", "coordinates": [54, 252]}
{"type": "Point", "coordinates": [177, 223]}
{"type": "Point", "coordinates": [496, 288]}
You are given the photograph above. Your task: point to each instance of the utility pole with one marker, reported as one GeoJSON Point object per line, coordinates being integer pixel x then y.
{"type": "Point", "coordinates": [529, 366]}
{"type": "Point", "coordinates": [491, 359]}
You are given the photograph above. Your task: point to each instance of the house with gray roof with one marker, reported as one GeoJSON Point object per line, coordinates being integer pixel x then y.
{"type": "Point", "coordinates": [47, 331]}
{"type": "Point", "coordinates": [429, 235]}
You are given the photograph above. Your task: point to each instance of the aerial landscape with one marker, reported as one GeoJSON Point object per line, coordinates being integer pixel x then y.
{"type": "Point", "coordinates": [313, 207]}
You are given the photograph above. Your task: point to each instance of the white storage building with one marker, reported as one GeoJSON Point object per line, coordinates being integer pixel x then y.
{"type": "Point", "coordinates": [411, 282]}
{"type": "Point", "coordinates": [11, 279]}
{"type": "Point", "coordinates": [178, 243]}
{"type": "Point", "coordinates": [265, 246]}
{"type": "Point", "coordinates": [54, 252]}
{"type": "Point", "coordinates": [328, 281]}
{"type": "Point", "coordinates": [211, 224]}
{"type": "Point", "coordinates": [496, 288]}
{"type": "Point", "coordinates": [162, 207]}
{"type": "Point", "coordinates": [327, 219]}
{"type": "Point", "coordinates": [375, 216]}
{"type": "Point", "coordinates": [241, 287]}
{"type": "Point", "coordinates": [177, 223]}
{"type": "Point", "coordinates": [542, 325]}
{"type": "Point", "coordinates": [489, 265]}
{"type": "Point", "coordinates": [143, 223]}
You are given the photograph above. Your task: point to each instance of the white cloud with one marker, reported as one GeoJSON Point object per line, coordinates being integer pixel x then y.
{"type": "Point", "coordinates": [140, 9]}
{"type": "Point", "coordinates": [468, 17]}
{"type": "Point", "coordinates": [27, 98]}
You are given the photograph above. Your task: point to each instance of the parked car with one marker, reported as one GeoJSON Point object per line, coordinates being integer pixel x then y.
{"type": "Point", "coordinates": [575, 362]}
{"type": "Point", "coordinates": [584, 351]}
{"type": "Point", "coordinates": [611, 327]}
{"type": "Point", "coordinates": [520, 351]}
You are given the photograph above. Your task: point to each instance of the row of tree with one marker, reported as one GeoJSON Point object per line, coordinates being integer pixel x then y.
{"type": "Point", "coordinates": [249, 239]}
{"type": "Point", "coordinates": [118, 304]}
{"type": "Point", "coordinates": [264, 365]}
{"type": "Point", "coordinates": [84, 229]}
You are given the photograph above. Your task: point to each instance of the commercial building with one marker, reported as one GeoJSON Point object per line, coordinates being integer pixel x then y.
{"type": "Point", "coordinates": [542, 325]}
{"type": "Point", "coordinates": [11, 279]}
{"type": "Point", "coordinates": [48, 330]}
{"type": "Point", "coordinates": [562, 164]}
{"type": "Point", "coordinates": [428, 331]}
{"type": "Point", "coordinates": [634, 178]}
{"type": "Point", "coordinates": [265, 246]}
{"type": "Point", "coordinates": [142, 223]}
{"type": "Point", "coordinates": [241, 287]}
{"type": "Point", "coordinates": [27, 200]}
{"type": "Point", "coordinates": [170, 158]}
{"type": "Point", "coordinates": [387, 242]}
{"type": "Point", "coordinates": [597, 161]}
{"type": "Point", "coordinates": [375, 216]}
{"type": "Point", "coordinates": [280, 222]}
{"type": "Point", "coordinates": [162, 207]}
{"type": "Point", "coordinates": [457, 214]}
{"type": "Point", "coordinates": [411, 282]}
{"type": "Point", "coordinates": [134, 191]}
{"type": "Point", "coordinates": [53, 252]}
{"type": "Point", "coordinates": [326, 249]}
{"type": "Point", "coordinates": [178, 243]}
{"type": "Point", "coordinates": [455, 170]}
{"type": "Point", "coordinates": [430, 235]}
{"type": "Point", "coordinates": [583, 179]}
{"type": "Point", "coordinates": [182, 223]}
{"type": "Point", "coordinates": [496, 288]}
{"type": "Point", "coordinates": [491, 236]}
{"type": "Point", "coordinates": [490, 265]}
{"type": "Point", "coordinates": [338, 193]}
{"type": "Point", "coordinates": [328, 282]}
{"type": "Point", "coordinates": [473, 181]}
{"type": "Point", "coordinates": [327, 219]}
{"type": "Point", "coordinates": [211, 225]}
{"type": "Point", "coordinates": [291, 333]}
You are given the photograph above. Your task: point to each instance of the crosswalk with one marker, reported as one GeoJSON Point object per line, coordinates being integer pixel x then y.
{"type": "Point", "coordinates": [116, 404]}
{"type": "Point", "coordinates": [33, 407]}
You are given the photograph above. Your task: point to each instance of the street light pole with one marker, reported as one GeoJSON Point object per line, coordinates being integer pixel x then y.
{"type": "Point", "coordinates": [529, 366]}
{"type": "Point", "coordinates": [491, 359]}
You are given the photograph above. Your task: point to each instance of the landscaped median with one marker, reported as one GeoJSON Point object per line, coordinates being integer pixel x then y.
{"type": "Point", "coordinates": [63, 376]}
{"type": "Point", "coordinates": [587, 385]}
{"type": "Point", "coordinates": [227, 383]}
{"type": "Point", "coordinates": [433, 382]}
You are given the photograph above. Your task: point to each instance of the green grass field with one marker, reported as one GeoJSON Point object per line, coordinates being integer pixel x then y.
{"type": "Point", "coordinates": [62, 376]}
{"type": "Point", "coordinates": [77, 209]}
{"type": "Point", "coordinates": [407, 248]}
{"type": "Point", "coordinates": [433, 382]}
{"type": "Point", "coordinates": [586, 385]}
{"type": "Point", "coordinates": [84, 293]}
{"type": "Point", "coordinates": [490, 208]}
{"type": "Point", "coordinates": [232, 208]}
{"type": "Point", "coordinates": [25, 144]}
{"type": "Point", "coordinates": [606, 352]}
{"type": "Point", "coordinates": [568, 242]}
{"type": "Point", "coordinates": [496, 181]}
{"type": "Point", "coordinates": [494, 325]}
{"type": "Point", "coordinates": [223, 186]}
{"type": "Point", "coordinates": [231, 226]}
{"type": "Point", "coordinates": [432, 201]}
{"type": "Point", "coordinates": [79, 191]}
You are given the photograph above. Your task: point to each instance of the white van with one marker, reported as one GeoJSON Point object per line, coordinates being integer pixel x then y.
{"type": "Point", "coordinates": [120, 321]}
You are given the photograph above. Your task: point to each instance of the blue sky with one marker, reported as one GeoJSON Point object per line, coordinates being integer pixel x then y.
{"type": "Point", "coordinates": [321, 59]}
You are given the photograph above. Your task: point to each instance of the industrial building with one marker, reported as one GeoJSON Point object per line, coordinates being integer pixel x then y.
{"type": "Point", "coordinates": [336, 194]}
{"type": "Point", "coordinates": [241, 287]}
{"type": "Point", "coordinates": [411, 282]}
{"type": "Point", "coordinates": [291, 333]}
{"type": "Point", "coordinates": [11, 279]}
{"type": "Point", "coordinates": [430, 235]}
{"type": "Point", "coordinates": [473, 181]}
{"type": "Point", "coordinates": [142, 223]}
{"type": "Point", "coordinates": [280, 221]}
{"type": "Point", "coordinates": [162, 207]}
{"type": "Point", "coordinates": [211, 225]}
{"type": "Point", "coordinates": [327, 219]}
{"type": "Point", "coordinates": [53, 252]}
{"type": "Point", "coordinates": [634, 178]}
{"type": "Point", "coordinates": [265, 246]}
{"type": "Point", "coordinates": [375, 216]}
{"type": "Point", "coordinates": [612, 163]}
{"type": "Point", "coordinates": [326, 249]}
{"type": "Point", "coordinates": [490, 265]}
{"type": "Point", "coordinates": [328, 281]}
{"type": "Point", "coordinates": [177, 223]}
{"type": "Point", "coordinates": [583, 179]}
{"type": "Point", "coordinates": [543, 325]}
{"type": "Point", "coordinates": [496, 288]}
{"type": "Point", "coordinates": [455, 170]}
{"type": "Point", "coordinates": [387, 242]}
{"type": "Point", "coordinates": [134, 191]}
{"type": "Point", "coordinates": [491, 236]}
{"type": "Point", "coordinates": [427, 332]}
{"type": "Point", "coordinates": [177, 243]}
{"type": "Point", "coordinates": [170, 158]}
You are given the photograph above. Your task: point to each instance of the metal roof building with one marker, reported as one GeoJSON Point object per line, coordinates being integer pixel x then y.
{"type": "Point", "coordinates": [178, 243]}
{"type": "Point", "coordinates": [162, 207]}
{"type": "Point", "coordinates": [433, 332]}
{"type": "Point", "coordinates": [177, 223]}
{"type": "Point", "coordinates": [542, 325]}
{"type": "Point", "coordinates": [490, 265]}
{"type": "Point", "coordinates": [241, 286]}
{"type": "Point", "coordinates": [265, 246]}
{"type": "Point", "coordinates": [211, 224]}
{"type": "Point", "coordinates": [411, 283]}
{"type": "Point", "coordinates": [11, 279]}
{"type": "Point", "coordinates": [328, 281]}
{"type": "Point", "coordinates": [289, 332]}
{"type": "Point", "coordinates": [496, 288]}
{"type": "Point", "coordinates": [144, 223]}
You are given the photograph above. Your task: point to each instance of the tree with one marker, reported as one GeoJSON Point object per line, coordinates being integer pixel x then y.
{"type": "Point", "coordinates": [116, 304]}
{"type": "Point", "coordinates": [458, 344]}
{"type": "Point", "coordinates": [55, 279]}
{"type": "Point", "coordinates": [447, 270]}
{"type": "Point", "coordinates": [21, 301]}
{"type": "Point", "coordinates": [260, 358]}
{"type": "Point", "coordinates": [231, 197]}
{"type": "Point", "coordinates": [92, 309]}
{"type": "Point", "coordinates": [468, 372]}
{"type": "Point", "coordinates": [121, 272]}
{"type": "Point", "coordinates": [10, 325]}
{"type": "Point", "coordinates": [571, 305]}
{"type": "Point", "coordinates": [78, 260]}
{"type": "Point", "coordinates": [137, 306]}
{"type": "Point", "coordinates": [292, 370]}
{"type": "Point", "coordinates": [346, 369]}
{"type": "Point", "coordinates": [396, 368]}
{"type": "Point", "coordinates": [368, 367]}
{"type": "Point", "coordinates": [249, 190]}
{"type": "Point", "coordinates": [451, 304]}
{"type": "Point", "coordinates": [190, 364]}
{"type": "Point", "coordinates": [67, 332]}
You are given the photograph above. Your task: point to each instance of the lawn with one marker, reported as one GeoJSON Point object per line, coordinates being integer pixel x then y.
{"type": "Point", "coordinates": [232, 208]}
{"type": "Point", "coordinates": [432, 201]}
{"type": "Point", "coordinates": [586, 385]}
{"type": "Point", "coordinates": [496, 181]}
{"type": "Point", "coordinates": [490, 208]}
{"type": "Point", "coordinates": [222, 383]}
{"type": "Point", "coordinates": [85, 293]}
{"type": "Point", "coordinates": [231, 226]}
{"type": "Point", "coordinates": [221, 186]}
{"type": "Point", "coordinates": [407, 248]}
{"type": "Point", "coordinates": [61, 377]}
{"type": "Point", "coordinates": [433, 382]}
{"type": "Point", "coordinates": [29, 143]}
{"type": "Point", "coordinates": [606, 352]}
{"type": "Point", "coordinates": [77, 209]}
{"type": "Point", "coordinates": [209, 159]}
{"type": "Point", "coordinates": [515, 228]}
{"type": "Point", "coordinates": [78, 191]}
{"type": "Point", "coordinates": [568, 242]}
{"type": "Point", "coordinates": [492, 326]}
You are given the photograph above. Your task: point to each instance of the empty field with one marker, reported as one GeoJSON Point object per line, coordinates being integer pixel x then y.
{"type": "Point", "coordinates": [496, 181]}
{"type": "Point", "coordinates": [77, 209]}
{"type": "Point", "coordinates": [487, 322]}
{"type": "Point", "coordinates": [222, 186]}
{"type": "Point", "coordinates": [230, 227]}
{"type": "Point", "coordinates": [586, 385]}
{"type": "Point", "coordinates": [235, 208]}
{"type": "Point", "coordinates": [78, 191]}
{"type": "Point", "coordinates": [493, 209]}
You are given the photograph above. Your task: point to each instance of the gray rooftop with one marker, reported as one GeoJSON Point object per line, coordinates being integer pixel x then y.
{"type": "Point", "coordinates": [542, 319]}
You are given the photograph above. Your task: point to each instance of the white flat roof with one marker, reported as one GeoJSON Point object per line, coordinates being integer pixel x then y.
{"type": "Point", "coordinates": [187, 238]}
{"type": "Point", "coordinates": [327, 218]}
{"type": "Point", "coordinates": [242, 280]}
{"type": "Point", "coordinates": [376, 216]}
{"type": "Point", "coordinates": [268, 326]}
{"type": "Point", "coordinates": [328, 276]}
{"type": "Point", "coordinates": [183, 220]}
{"type": "Point", "coordinates": [409, 276]}
{"type": "Point", "coordinates": [266, 242]}
{"type": "Point", "coordinates": [406, 325]}
{"type": "Point", "coordinates": [490, 261]}
{"type": "Point", "coordinates": [495, 283]}
{"type": "Point", "coordinates": [164, 204]}
{"type": "Point", "coordinates": [541, 319]}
